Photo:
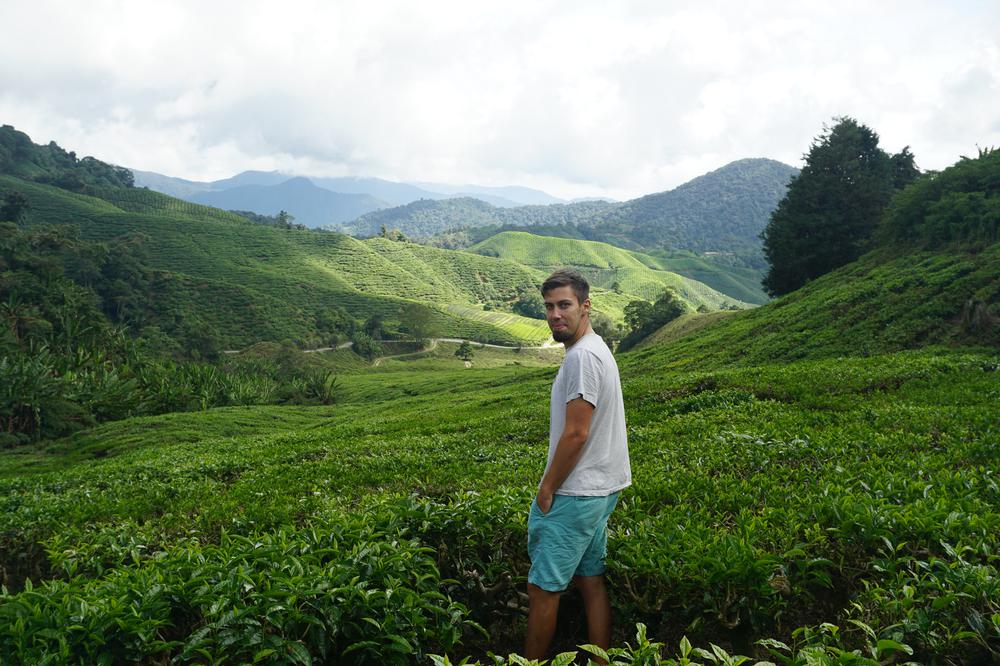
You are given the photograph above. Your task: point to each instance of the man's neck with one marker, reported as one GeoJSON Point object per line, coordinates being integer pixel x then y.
{"type": "Point", "coordinates": [587, 330]}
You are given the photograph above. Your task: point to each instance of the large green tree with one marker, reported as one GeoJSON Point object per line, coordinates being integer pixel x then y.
{"type": "Point", "coordinates": [833, 206]}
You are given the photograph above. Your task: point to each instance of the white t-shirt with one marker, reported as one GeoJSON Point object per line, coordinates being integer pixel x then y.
{"type": "Point", "coordinates": [589, 371]}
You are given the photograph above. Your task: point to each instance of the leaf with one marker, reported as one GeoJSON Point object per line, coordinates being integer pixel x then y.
{"type": "Point", "coordinates": [563, 659]}
{"type": "Point", "coordinates": [596, 651]}
{"type": "Point", "coordinates": [885, 645]}
{"type": "Point", "coordinates": [267, 652]}
{"type": "Point", "coordinates": [772, 643]}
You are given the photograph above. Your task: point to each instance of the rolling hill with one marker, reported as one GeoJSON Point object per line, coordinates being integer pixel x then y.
{"type": "Point", "coordinates": [606, 266]}
{"type": "Point", "coordinates": [250, 282]}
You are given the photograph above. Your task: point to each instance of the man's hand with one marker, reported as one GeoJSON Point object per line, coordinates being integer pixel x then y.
{"type": "Point", "coordinates": [574, 436]}
{"type": "Point", "coordinates": [544, 501]}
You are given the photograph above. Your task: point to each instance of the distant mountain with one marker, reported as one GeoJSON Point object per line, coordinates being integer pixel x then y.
{"type": "Point", "coordinates": [498, 196]}
{"type": "Point", "coordinates": [427, 218]}
{"type": "Point", "coordinates": [175, 187]}
{"type": "Point", "coordinates": [265, 178]}
{"type": "Point", "coordinates": [396, 194]}
{"type": "Point", "coordinates": [393, 193]}
{"type": "Point", "coordinates": [310, 205]}
{"type": "Point", "coordinates": [722, 212]}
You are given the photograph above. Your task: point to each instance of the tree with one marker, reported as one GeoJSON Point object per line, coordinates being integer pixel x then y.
{"type": "Point", "coordinates": [529, 303]}
{"type": "Point", "coordinates": [605, 328]}
{"type": "Point", "coordinates": [464, 351]}
{"type": "Point", "coordinates": [373, 326]}
{"type": "Point", "coordinates": [15, 204]}
{"type": "Point", "coordinates": [833, 206]}
{"type": "Point", "coordinates": [366, 346]}
{"type": "Point", "coordinates": [643, 318]}
{"type": "Point", "coordinates": [285, 219]}
{"type": "Point", "coordinates": [637, 312]}
{"type": "Point", "coordinates": [418, 321]}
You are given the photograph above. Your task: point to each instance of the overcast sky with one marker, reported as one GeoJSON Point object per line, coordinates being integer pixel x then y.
{"type": "Point", "coordinates": [577, 98]}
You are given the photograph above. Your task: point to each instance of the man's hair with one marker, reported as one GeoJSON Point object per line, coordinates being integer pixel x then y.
{"type": "Point", "coordinates": [567, 277]}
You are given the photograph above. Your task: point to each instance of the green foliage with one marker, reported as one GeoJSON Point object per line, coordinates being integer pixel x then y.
{"type": "Point", "coordinates": [464, 351]}
{"type": "Point", "coordinates": [365, 346]}
{"type": "Point", "coordinates": [643, 318]}
{"type": "Point", "coordinates": [352, 591]}
{"type": "Point", "coordinates": [763, 500]}
{"type": "Point", "coordinates": [53, 165]}
{"type": "Point", "coordinates": [15, 204]}
{"type": "Point", "coordinates": [833, 206]}
{"type": "Point", "coordinates": [282, 220]}
{"type": "Point", "coordinates": [529, 303]}
{"type": "Point", "coordinates": [638, 275]}
{"type": "Point", "coordinates": [959, 205]}
{"type": "Point", "coordinates": [610, 332]}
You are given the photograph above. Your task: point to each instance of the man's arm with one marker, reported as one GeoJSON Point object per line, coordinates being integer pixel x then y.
{"type": "Point", "coordinates": [574, 436]}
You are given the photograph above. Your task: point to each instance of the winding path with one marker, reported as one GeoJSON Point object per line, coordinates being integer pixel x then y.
{"type": "Point", "coordinates": [548, 344]}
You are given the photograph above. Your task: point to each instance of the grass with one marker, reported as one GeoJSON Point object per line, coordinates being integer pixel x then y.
{"type": "Point", "coordinates": [639, 275]}
{"type": "Point", "coordinates": [838, 479]}
{"type": "Point", "coordinates": [886, 301]}
{"type": "Point", "coordinates": [442, 357]}
{"type": "Point", "coordinates": [530, 330]}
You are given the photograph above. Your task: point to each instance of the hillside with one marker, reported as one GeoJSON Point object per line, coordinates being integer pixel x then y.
{"type": "Point", "coordinates": [22, 158]}
{"type": "Point", "coordinates": [427, 217]}
{"type": "Point", "coordinates": [934, 279]}
{"type": "Point", "coordinates": [310, 205]}
{"type": "Point", "coordinates": [248, 282]}
{"type": "Point", "coordinates": [636, 273]}
{"type": "Point", "coordinates": [723, 211]}
{"type": "Point", "coordinates": [604, 266]}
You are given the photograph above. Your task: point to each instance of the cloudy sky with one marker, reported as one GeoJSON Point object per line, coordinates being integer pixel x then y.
{"type": "Point", "coordinates": [577, 98]}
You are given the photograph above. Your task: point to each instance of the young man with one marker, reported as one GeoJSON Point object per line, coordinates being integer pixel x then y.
{"type": "Point", "coordinates": [587, 466]}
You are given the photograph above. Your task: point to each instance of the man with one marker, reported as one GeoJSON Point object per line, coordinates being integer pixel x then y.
{"type": "Point", "coordinates": [587, 467]}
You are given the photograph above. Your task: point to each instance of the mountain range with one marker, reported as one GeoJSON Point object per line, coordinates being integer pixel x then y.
{"type": "Point", "coordinates": [333, 201]}
{"type": "Point", "coordinates": [723, 211]}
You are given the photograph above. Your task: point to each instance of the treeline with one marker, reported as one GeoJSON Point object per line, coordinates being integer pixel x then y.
{"type": "Point", "coordinates": [426, 218]}
{"type": "Point", "coordinates": [853, 197]}
{"type": "Point", "coordinates": [283, 220]}
{"type": "Point", "coordinates": [52, 165]}
{"type": "Point", "coordinates": [721, 211]}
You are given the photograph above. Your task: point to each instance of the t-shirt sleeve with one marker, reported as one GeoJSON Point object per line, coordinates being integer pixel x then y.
{"type": "Point", "coordinates": [583, 374]}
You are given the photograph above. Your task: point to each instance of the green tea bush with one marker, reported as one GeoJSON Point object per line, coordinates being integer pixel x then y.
{"type": "Point", "coordinates": [350, 592]}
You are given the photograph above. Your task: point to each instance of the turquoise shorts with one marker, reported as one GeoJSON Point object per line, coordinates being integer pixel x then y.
{"type": "Point", "coordinates": [570, 540]}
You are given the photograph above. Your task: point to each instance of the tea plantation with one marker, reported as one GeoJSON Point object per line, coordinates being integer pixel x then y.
{"type": "Point", "coordinates": [822, 506]}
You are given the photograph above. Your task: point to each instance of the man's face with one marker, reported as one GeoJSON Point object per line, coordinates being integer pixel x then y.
{"type": "Point", "coordinates": [566, 316]}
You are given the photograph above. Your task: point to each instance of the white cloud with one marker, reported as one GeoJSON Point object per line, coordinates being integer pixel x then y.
{"type": "Point", "coordinates": [578, 98]}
